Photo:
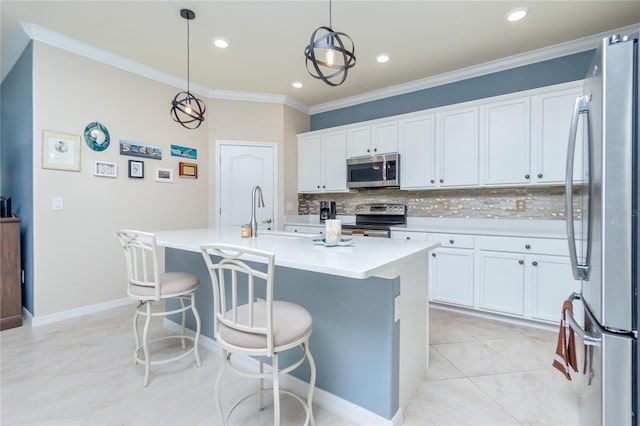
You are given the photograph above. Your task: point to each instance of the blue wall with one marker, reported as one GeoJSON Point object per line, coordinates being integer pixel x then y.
{"type": "Point", "coordinates": [16, 156]}
{"type": "Point", "coordinates": [545, 73]}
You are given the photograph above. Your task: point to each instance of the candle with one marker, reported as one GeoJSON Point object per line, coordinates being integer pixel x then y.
{"type": "Point", "coordinates": [245, 231]}
{"type": "Point", "coordinates": [333, 231]}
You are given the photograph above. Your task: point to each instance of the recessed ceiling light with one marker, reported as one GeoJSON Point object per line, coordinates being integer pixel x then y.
{"type": "Point", "coordinates": [297, 84]}
{"type": "Point", "coordinates": [517, 14]}
{"type": "Point", "coordinates": [221, 42]}
{"type": "Point", "coordinates": [382, 58]}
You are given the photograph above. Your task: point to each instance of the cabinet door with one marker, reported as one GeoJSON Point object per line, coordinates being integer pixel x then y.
{"type": "Point", "coordinates": [502, 277]}
{"type": "Point", "coordinates": [384, 138]}
{"type": "Point", "coordinates": [458, 147]}
{"type": "Point", "coordinates": [418, 152]}
{"type": "Point", "coordinates": [507, 142]}
{"type": "Point", "coordinates": [309, 165]}
{"type": "Point", "coordinates": [551, 283]}
{"type": "Point", "coordinates": [359, 142]}
{"type": "Point", "coordinates": [334, 161]}
{"type": "Point", "coordinates": [552, 115]}
{"type": "Point", "coordinates": [451, 276]}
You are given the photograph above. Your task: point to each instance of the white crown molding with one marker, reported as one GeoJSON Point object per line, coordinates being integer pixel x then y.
{"type": "Point", "coordinates": [30, 31]}
{"type": "Point", "coordinates": [551, 52]}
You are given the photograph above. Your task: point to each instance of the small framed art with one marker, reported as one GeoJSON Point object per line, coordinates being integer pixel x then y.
{"type": "Point", "coordinates": [163, 175]}
{"type": "Point", "coordinates": [136, 169]}
{"type": "Point", "coordinates": [188, 170]}
{"type": "Point", "coordinates": [60, 151]}
{"type": "Point", "coordinates": [104, 169]}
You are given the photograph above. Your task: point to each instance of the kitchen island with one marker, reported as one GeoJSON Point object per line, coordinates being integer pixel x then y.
{"type": "Point", "coordinates": [369, 307]}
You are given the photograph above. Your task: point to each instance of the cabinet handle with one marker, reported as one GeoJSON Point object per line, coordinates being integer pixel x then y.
{"type": "Point", "coordinates": [295, 230]}
{"type": "Point", "coordinates": [450, 241]}
{"type": "Point", "coordinates": [433, 255]}
{"type": "Point", "coordinates": [534, 263]}
{"type": "Point", "coordinates": [441, 180]}
{"type": "Point", "coordinates": [527, 176]}
{"type": "Point", "coordinates": [527, 246]}
{"type": "Point", "coordinates": [521, 262]}
{"type": "Point", "coordinates": [433, 181]}
{"type": "Point", "coordinates": [539, 175]}
{"type": "Point", "coordinates": [318, 187]}
{"type": "Point", "coordinates": [368, 150]}
{"type": "Point", "coordinates": [408, 238]}
{"type": "Point", "coordinates": [323, 186]}
{"type": "Point", "coordinates": [375, 149]}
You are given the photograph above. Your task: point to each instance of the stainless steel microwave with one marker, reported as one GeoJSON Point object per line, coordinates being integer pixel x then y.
{"type": "Point", "coordinates": [379, 171]}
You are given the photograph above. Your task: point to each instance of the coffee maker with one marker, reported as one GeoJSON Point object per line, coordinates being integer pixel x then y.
{"type": "Point", "coordinates": [327, 210]}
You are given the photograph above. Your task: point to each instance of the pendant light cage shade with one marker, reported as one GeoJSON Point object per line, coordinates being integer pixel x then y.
{"type": "Point", "coordinates": [330, 55]}
{"type": "Point", "coordinates": [186, 109]}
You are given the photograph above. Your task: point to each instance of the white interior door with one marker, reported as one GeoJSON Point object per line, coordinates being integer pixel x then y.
{"type": "Point", "coordinates": [241, 166]}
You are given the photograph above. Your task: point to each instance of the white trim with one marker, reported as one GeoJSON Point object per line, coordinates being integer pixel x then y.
{"type": "Point", "coordinates": [43, 35]}
{"type": "Point", "coordinates": [339, 406]}
{"type": "Point", "coordinates": [74, 313]}
{"type": "Point", "coordinates": [534, 56]}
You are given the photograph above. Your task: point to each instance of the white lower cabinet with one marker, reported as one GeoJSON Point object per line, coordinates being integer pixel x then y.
{"type": "Point", "coordinates": [527, 278]}
{"type": "Point", "coordinates": [304, 229]}
{"type": "Point", "coordinates": [502, 282]}
{"type": "Point", "coordinates": [451, 276]}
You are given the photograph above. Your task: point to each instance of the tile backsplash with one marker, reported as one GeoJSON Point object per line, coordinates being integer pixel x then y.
{"type": "Point", "coordinates": [500, 203]}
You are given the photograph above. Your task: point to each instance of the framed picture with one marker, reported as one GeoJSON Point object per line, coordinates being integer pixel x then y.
{"type": "Point", "coordinates": [136, 169]}
{"type": "Point", "coordinates": [188, 170]}
{"type": "Point", "coordinates": [136, 149]}
{"type": "Point", "coordinates": [163, 175]}
{"type": "Point", "coordinates": [104, 169]}
{"type": "Point", "coordinates": [184, 152]}
{"type": "Point", "coordinates": [60, 151]}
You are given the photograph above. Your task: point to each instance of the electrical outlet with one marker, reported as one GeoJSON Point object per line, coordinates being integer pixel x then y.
{"type": "Point", "coordinates": [289, 206]}
{"type": "Point", "coordinates": [521, 205]}
{"type": "Point", "coordinates": [57, 203]}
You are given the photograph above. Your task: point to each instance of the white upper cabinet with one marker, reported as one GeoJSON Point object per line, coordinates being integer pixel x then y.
{"type": "Point", "coordinates": [551, 118]}
{"type": "Point", "coordinates": [507, 142]}
{"type": "Point", "coordinates": [418, 152]}
{"type": "Point", "coordinates": [374, 139]}
{"type": "Point", "coordinates": [439, 150]}
{"type": "Point", "coordinates": [458, 147]}
{"type": "Point", "coordinates": [322, 163]}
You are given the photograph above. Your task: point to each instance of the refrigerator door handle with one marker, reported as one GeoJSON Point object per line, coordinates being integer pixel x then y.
{"type": "Point", "coordinates": [587, 337]}
{"type": "Point", "coordinates": [581, 106]}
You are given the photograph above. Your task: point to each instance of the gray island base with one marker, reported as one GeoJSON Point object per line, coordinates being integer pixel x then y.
{"type": "Point", "coordinates": [369, 309]}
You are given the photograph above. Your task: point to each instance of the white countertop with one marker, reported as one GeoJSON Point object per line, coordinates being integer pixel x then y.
{"type": "Point", "coordinates": [498, 227]}
{"type": "Point", "coordinates": [366, 257]}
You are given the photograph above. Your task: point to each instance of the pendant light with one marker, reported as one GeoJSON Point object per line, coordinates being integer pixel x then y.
{"type": "Point", "coordinates": [186, 109]}
{"type": "Point", "coordinates": [330, 55]}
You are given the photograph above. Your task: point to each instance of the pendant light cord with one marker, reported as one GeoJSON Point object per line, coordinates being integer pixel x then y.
{"type": "Point", "coordinates": [330, 24]}
{"type": "Point", "coordinates": [188, 59]}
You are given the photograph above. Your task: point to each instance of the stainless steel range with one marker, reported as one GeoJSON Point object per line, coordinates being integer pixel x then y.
{"type": "Point", "coordinates": [376, 220]}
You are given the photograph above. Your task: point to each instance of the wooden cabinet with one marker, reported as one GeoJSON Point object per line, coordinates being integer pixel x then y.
{"type": "Point", "coordinates": [322, 163]}
{"type": "Point", "coordinates": [373, 139]}
{"type": "Point", "coordinates": [418, 152]}
{"type": "Point", "coordinates": [528, 277]}
{"type": "Point", "coordinates": [10, 274]}
{"type": "Point", "coordinates": [551, 118]}
{"type": "Point", "coordinates": [507, 142]}
{"type": "Point", "coordinates": [440, 150]}
{"type": "Point", "coordinates": [451, 269]}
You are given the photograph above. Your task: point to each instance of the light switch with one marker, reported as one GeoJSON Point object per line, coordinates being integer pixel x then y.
{"type": "Point", "coordinates": [289, 206]}
{"type": "Point", "coordinates": [58, 203]}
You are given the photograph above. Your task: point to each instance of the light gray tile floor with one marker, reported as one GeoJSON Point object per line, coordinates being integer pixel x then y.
{"type": "Point", "coordinates": [80, 372]}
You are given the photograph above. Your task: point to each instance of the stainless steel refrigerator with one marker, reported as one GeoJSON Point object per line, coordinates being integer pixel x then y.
{"type": "Point", "coordinates": [604, 238]}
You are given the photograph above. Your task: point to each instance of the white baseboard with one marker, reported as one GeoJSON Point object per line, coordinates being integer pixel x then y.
{"type": "Point", "coordinates": [339, 406]}
{"type": "Point", "coordinates": [74, 313]}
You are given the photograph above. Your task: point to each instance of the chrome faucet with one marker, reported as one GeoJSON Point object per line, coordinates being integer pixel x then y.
{"type": "Point", "coordinates": [254, 223]}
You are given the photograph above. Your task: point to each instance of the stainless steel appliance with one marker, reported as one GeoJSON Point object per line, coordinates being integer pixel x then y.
{"type": "Point", "coordinates": [376, 220]}
{"type": "Point", "coordinates": [379, 171]}
{"type": "Point", "coordinates": [327, 210]}
{"type": "Point", "coordinates": [604, 245]}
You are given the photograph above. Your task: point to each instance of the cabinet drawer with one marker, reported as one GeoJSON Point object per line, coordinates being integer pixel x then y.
{"type": "Point", "coordinates": [453, 240]}
{"type": "Point", "coordinates": [525, 245]}
{"type": "Point", "coordinates": [406, 235]}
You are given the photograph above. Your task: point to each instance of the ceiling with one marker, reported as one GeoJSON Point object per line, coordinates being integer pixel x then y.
{"type": "Point", "coordinates": [267, 38]}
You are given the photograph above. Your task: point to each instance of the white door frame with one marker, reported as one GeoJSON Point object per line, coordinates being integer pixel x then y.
{"type": "Point", "coordinates": [257, 144]}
